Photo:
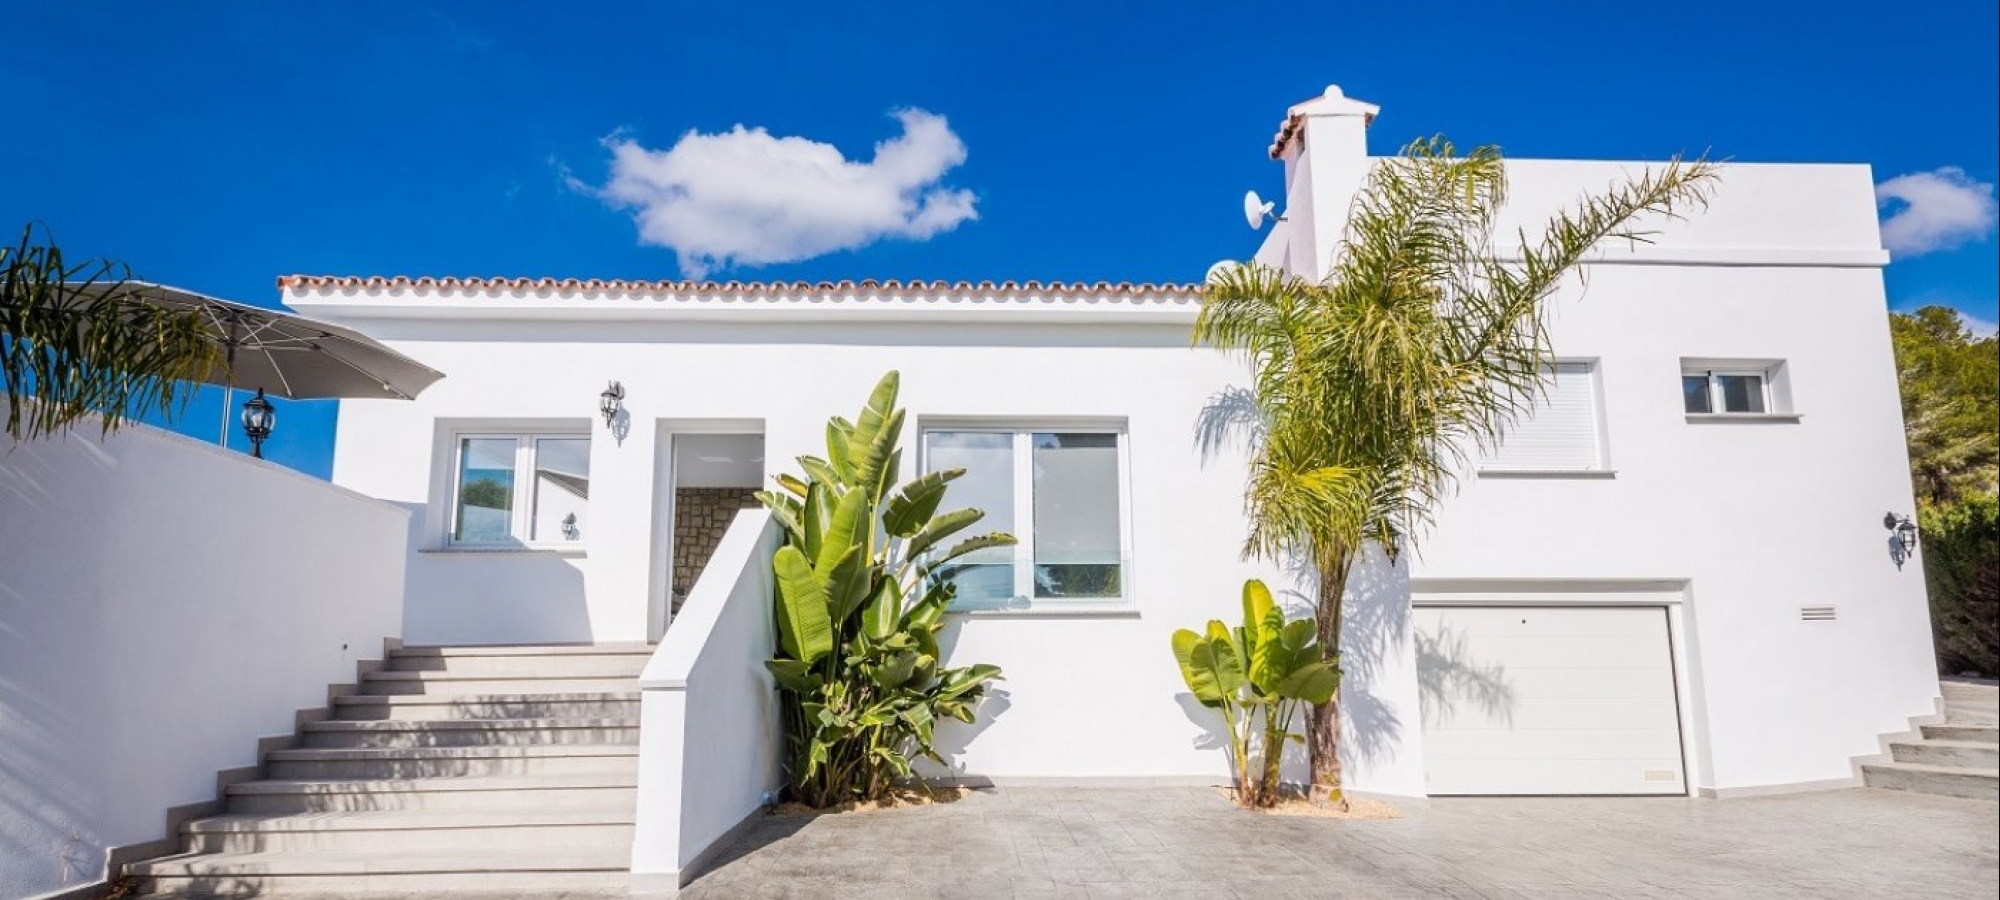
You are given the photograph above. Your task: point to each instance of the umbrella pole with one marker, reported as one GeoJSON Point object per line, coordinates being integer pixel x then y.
{"type": "Point", "coordinates": [228, 394]}
{"type": "Point", "coordinates": [228, 387]}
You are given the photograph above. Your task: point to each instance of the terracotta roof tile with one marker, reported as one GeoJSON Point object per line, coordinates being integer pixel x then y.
{"type": "Point", "coordinates": [401, 282]}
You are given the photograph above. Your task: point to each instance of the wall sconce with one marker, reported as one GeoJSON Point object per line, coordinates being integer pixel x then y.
{"type": "Point", "coordinates": [259, 417]}
{"type": "Point", "coordinates": [1905, 532]}
{"type": "Point", "coordinates": [609, 402]}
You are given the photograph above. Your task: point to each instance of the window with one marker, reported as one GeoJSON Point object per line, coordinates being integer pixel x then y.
{"type": "Point", "coordinates": [521, 489]}
{"type": "Point", "coordinates": [1060, 491]}
{"type": "Point", "coordinates": [1741, 390]}
{"type": "Point", "coordinates": [1561, 434]}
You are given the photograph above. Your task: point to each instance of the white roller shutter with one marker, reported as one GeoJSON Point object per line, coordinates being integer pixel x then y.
{"type": "Point", "coordinates": [1535, 700]}
{"type": "Point", "coordinates": [1561, 434]}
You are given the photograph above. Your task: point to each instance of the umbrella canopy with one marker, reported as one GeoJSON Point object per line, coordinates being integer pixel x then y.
{"type": "Point", "coordinates": [287, 355]}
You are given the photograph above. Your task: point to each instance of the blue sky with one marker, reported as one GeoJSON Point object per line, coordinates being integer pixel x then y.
{"type": "Point", "coordinates": [217, 146]}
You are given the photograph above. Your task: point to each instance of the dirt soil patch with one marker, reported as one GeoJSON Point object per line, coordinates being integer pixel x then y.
{"type": "Point", "coordinates": [1298, 804]}
{"type": "Point", "coordinates": [902, 798]}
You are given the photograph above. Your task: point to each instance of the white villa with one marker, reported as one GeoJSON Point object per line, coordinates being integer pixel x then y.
{"type": "Point", "coordinates": [1672, 580]}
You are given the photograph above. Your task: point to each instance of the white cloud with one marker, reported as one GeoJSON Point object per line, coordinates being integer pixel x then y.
{"type": "Point", "coordinates": [745, 198]}
{"type": "Point", "coordinates": [1980, 328]}
{"type": "Point", "coordinates": [1937, 210]}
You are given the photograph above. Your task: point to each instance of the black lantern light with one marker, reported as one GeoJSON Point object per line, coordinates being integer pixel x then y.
{"type": "Point", "coordinates": [259, 417]}
{"type": "Point", "coordinates": [1904, 530]}
{"type": "Point", "coordinates": [608, 402]}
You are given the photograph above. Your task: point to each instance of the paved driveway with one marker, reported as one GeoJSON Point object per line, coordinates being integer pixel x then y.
{"type": "Point", "coordinates": [1188, 842]}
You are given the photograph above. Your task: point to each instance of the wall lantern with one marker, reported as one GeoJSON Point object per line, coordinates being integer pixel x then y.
{"type": "Point", "coordinates": [259, 417]}
{"type": "Point", "coordinates": [609, 401]}
{"type": "Point", "coordinates": [1905, 532]}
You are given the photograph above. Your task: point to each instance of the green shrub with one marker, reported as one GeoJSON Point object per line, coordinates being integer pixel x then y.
{"type": "Point", "coordinates": [859, 609]}
{"type": "Point", "coordinates": [1260, 676]}
{"type": "Point", "coordinates": [1961, 547]}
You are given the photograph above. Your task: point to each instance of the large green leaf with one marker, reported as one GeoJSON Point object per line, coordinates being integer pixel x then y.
{"type": "Point", "coordinates": [822, 471]}
{"type": "Point", "coordinates": [884, 610]}
{"type": "Point", "coordinates": [805, 631]}
{"type": "Point", "coordinates": [875, 433]}
{"type": "Point", "coordinates": [845, 530]}
{"type": "Point", "coordinates": [938, 528]}
{"type": "Point", "coordinates": [788, 511]}
{"type": "Point", "coordinates": [816, 513]}
{"type": "Point", "coordinates": [848, 584]}
{"type": "Point", "coordinates": [838, 433]}
{"type": "Point", "coordinates": [1313, 682]}
{"type": "Point", "coordinates": [1209, 666]}
{"type": "Point", "coordinates": [916, 502]}
{"type": "Point", "coordinates": [793, 675]}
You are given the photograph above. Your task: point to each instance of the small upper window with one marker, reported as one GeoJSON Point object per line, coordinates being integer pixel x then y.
{"type": "Point", "coordinates": [1726, 392]}
{"type": "Point", "coordinates": [519, 489]}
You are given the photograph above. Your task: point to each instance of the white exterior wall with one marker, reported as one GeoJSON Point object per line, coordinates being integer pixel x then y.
{"type": "Point", "coordinates": [165, 604]}
{"type": "Point", "coordinates": [1748, 521]}
{"type": "Point", "coordinates": [710, 742]}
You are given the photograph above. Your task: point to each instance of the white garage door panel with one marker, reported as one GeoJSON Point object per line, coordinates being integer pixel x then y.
{"type": "Point", "coordinates": [1548, 700]}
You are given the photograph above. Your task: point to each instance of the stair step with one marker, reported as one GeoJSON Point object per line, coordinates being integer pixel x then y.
{"type": "Point", "coordinates": [592, 704]}
{"type": "Point", "coordinates": [1969, 691]}
{"type": "Point", "coordinates": [390, 733]}
{"type": "Point", "coordinates": [445, 684]}
{"type": "Point", "coordinates": [539, 792]}
{"type": "Point", "coordinates": [1984, 734]}
{"type": "Point", "coordinates": [348, 872]}
{"type": "Point", "coordinates": [1961, 714]}
{"type": "Point", "coordinates": [518, 665]}
{"type": "Point", "coordinates": [621, 648]}
{"type": "Point", "coordinates": [1953, 754]}
{"type": "Point", "coordinates": [412, 830]}
{"type": "Point", "coordinates": [450, 762]}
{"type": "Point", "coordinates": [1921, 779]}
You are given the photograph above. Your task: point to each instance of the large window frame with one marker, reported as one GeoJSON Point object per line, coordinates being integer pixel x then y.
{"type": "Point", "coordinates": [523, 487]}
{"type": "Point", "coordinates": [1023, 430]}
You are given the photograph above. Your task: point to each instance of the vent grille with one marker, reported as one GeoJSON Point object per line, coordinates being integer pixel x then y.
{"type": "Point", "coordinates": [1816, 613]}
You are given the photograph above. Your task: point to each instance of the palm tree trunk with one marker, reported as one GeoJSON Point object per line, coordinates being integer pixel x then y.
{"type": "Point", "coordinates": [1323, 739]}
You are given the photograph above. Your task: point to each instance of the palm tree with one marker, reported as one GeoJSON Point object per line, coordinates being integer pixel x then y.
{"type": "Point", "coordinates": [1422, 343]}
{"type": "Point", "coordinates": [75, 344]}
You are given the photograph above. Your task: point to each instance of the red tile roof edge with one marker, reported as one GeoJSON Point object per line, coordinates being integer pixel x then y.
{"type": "Point", "coordinates": [732, 287]}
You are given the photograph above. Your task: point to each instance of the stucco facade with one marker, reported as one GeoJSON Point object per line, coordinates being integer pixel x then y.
{"type": "Point", "coordinates": [1728, 525]}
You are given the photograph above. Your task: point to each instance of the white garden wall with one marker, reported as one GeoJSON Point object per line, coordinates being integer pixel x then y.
{"type": "Point", "coordinates": [709, 741]}
{"type": "Point", "coordinates": [163, 605]}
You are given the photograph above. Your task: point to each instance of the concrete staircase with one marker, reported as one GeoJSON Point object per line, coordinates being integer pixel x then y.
{"type": "Point", "coordinates": [462, 768]}
{"type": "Point", "coordinates": [1960, 758]}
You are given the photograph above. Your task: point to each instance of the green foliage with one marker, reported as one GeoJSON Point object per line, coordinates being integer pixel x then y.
{"type": "Point", "coordinates": [859, 610]}
{"type": "Point", "coordinates": [1950, 385]}
{"type": "Point", "coordinates": [1422, 343]}
{"type": "Point", "coordinates": [1961, 547]}
{"type": "Point", "coordinates": [1259, 676]}
{"type": "Point", "coordinates": [486, 493]}
{"type": "Point", "coordinates": [76, 343]}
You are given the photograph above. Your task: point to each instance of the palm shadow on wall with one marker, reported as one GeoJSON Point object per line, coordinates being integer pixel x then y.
{"type": "Point", "coordinates": [1448, 675]}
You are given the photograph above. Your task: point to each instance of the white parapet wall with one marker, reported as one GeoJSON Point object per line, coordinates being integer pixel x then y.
{"type": "Point", "coordinates": [163, 605]}
{"type": "Point", "coordinates": [709, 739]}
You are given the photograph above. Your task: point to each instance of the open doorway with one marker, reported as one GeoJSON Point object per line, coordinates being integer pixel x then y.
{"type": "Point", "coordinates": [713, 477]}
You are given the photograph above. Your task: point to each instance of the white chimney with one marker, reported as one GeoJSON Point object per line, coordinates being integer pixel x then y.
{"type": "Point", "coordinates": [1324, 146]}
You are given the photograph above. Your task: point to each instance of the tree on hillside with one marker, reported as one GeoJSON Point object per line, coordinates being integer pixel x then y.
{"type": "Point", "coordinates": [1950, 384]}
{"type": "Point", "coordinates": [1420, 344]}
{"type": "Point", "coordinates": [74, 345]}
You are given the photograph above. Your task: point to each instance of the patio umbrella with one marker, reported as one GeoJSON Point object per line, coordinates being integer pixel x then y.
{"type": "Point", "coordinates": [287, 355]}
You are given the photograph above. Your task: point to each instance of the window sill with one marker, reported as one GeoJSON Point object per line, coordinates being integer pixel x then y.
{"type": "Point", "coordinates": [1745, 418]}
{"type": "Point", "coordinates": [1587, 474]}
{"type": "Point", "coordinates": [505, 551]}
{"type": "Point", "coordinates": [1103, 609]}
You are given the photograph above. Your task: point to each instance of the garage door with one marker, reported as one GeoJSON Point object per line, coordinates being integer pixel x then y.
{"type": "Point", "coordinates": [1548, 700]}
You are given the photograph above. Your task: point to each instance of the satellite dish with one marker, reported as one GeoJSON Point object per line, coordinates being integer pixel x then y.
{"type": "Point", "coordinates": [1255, 209]}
